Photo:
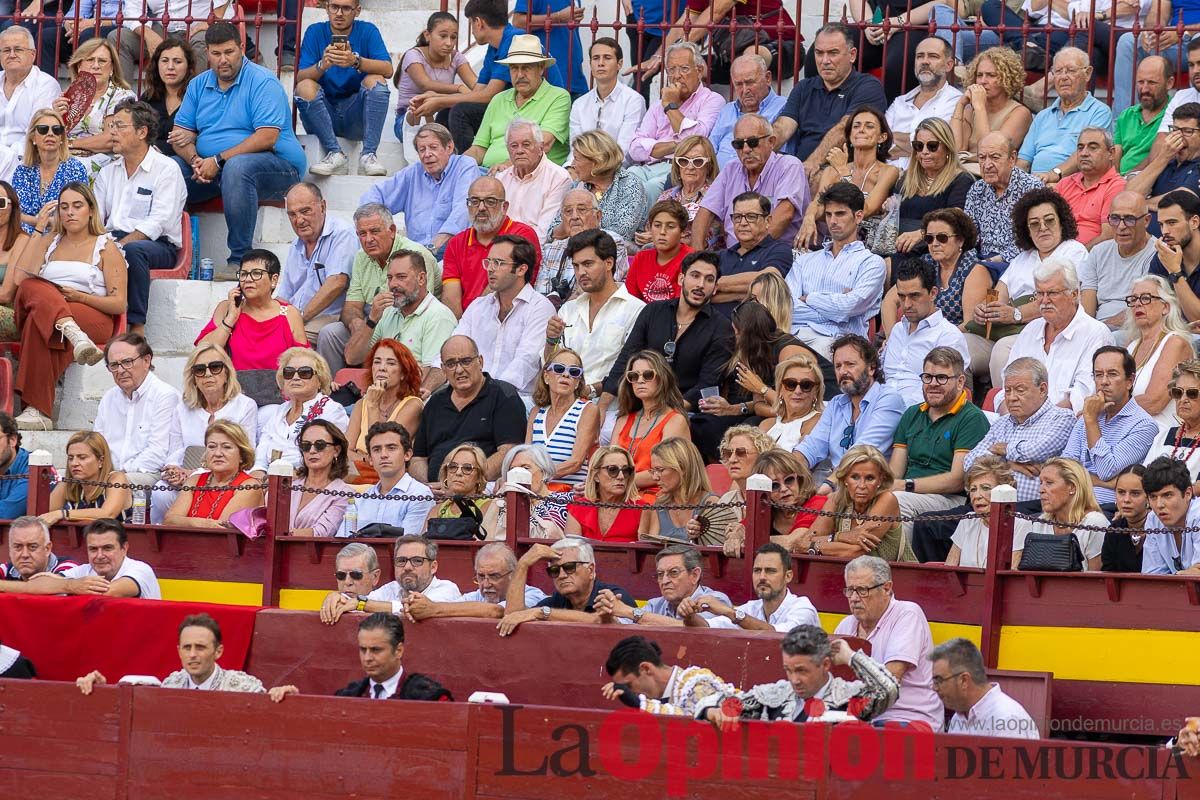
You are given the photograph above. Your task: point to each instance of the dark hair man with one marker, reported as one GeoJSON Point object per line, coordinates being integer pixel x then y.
{"type": "Point", "coordinates": [980, 708]}
{"type": "Point", "coordinates": [117, 575]}
{"type": "Point", "coordinates": [640, 679]}
{"type": "Point", "coordinates": [1173, 507]}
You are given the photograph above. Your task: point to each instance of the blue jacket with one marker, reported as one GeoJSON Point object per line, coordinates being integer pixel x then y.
{"type": "Point", "coordinates": [13, 494]}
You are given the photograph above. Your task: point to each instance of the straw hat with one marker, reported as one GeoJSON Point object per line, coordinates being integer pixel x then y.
{"type": "Point", "coordinates": [526, 49]}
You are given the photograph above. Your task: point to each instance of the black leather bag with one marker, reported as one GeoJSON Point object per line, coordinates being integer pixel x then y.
{"type": "Point", "coordinates": [1048, 552]}
{"type": "Point", "coordinates": [379, 530]}
{"type": "Point", "coordinates": [467, 527]}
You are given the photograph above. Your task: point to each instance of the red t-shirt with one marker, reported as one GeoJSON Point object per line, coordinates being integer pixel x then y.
{"type": "Point", "coordinates": [814, 503]}
{"type": "Point", "coordinates": [649, 281]}
{"type": "Point", "coordinates": [463, 259]}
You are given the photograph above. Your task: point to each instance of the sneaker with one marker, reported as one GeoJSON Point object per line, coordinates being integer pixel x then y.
{"type": "Point", "coordinates": [33, 420]}
{"type": "Point", "coordinates": [331, 163]}
{"type": "Point", "coordinates": [86, 351]}
{"type": "Point", "coordinates": [369, 165]}
{"type": "Point", "coordinates": [287, 61]}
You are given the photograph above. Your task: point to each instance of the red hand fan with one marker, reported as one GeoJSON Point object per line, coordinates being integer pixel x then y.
{"type": "Point", "coordinates": [79, 96]}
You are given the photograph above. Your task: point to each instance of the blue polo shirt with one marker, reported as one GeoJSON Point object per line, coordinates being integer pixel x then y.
{"type": "Point", "coordinates": [816, 109]}
{"type": "Point", "coordinates": [491, 70]}
{"type": "Point", "coordinates": [770, 252]}
{"type": "Point", "coordinates": [225, 118]}
{"type": "Point", "coordinates": [564, 44]}
{"type": "Point", "coordinates": [339, 82]}
{"type": "Point", "coordinates": [651, 12]}
{"type": "Point", "coordinates": [1053, 135]}
{"type": "Point", "coordinates": [1188, 9]}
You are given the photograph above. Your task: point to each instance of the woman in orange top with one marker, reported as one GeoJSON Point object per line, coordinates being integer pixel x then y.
{"type": "Point", "coordinates": [228, 455]}
{"type": "Point", "coordinates": [651, 409]}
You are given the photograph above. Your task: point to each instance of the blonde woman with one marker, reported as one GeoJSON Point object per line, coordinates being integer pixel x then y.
{"type": "Point", "coordinates": [463, 473]}
{"type": "Point", "coordinates": [88, 140]}
{"type": "Point", "coordinates": [792, 488]}
{"type": "Point", "coordinates": [693, 169]}
{"type": "Point", "coordinates": [864, 488]}
{"type": "Point", "coordinates": [609, 480]}
{"type": "Point", "coordinates": [227, 456]}
{"type": "Point", "coordinates": [740, 448]}
{"type": "Point", "coordinates": [1067, 500]}
{"type": "Point", "coordinates": [797, 400]}
{"type": "Point", "coordinates": [1159, 341]}
{"type": "Point", "coordinates": [970, 539]}
{"type": "Point", "coordinates": [934, 179]}
{"type": "Point", "coordinates": [88, 459]}
{"type": "Point", "coordinates": [563, 419]}
{"type": "Point", "coordinates": [598, 168]}
{"type": "Point", "coordinates": [772, 292]}
{"type": "Point", "coordinates": [991, 102]}
{"type": "Point", "coordinates": [679, 470]}
{"type": "Point", "coordinates": [45, 170]}
{"type": "Point", "coordinates": [303, 378]}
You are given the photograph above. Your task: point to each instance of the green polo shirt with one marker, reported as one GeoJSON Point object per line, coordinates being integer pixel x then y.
{"type": "Point", "coordinates": [550, 107]}
{"type": "Point", "coordinates": [423, 332]}
{"type": "Point", "coordinates": [368, 279]}
{"type": "Point", "coordinates": [932, 444]}
{"type": "Point", "coordinates": [1134, 136]}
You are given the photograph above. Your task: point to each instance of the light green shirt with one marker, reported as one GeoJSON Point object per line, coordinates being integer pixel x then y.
{"type": "Point", "coordinates": [1135, 136]}
{"type": "Point", "coordinates": [423, 332]}
{"type": "Point", "coordinates": [550, 107]}
{"type": "Point", "coordinates": [368, 279]}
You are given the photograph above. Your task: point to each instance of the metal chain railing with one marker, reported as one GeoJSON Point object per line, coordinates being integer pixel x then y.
{"type": "Point", "coordinates": [143, 487]}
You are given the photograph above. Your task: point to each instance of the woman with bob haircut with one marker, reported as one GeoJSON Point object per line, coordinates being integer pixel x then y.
{"type": "Point", "coordinates": [228, 456]}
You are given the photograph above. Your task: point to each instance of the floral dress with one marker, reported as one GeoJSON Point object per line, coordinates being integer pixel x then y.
{"type": "Point", "coordinates": [27, 180]}
{"type": "Point", "coordinates": [949, 298]}
{"type": "Point", "coordinates": [93, 123]}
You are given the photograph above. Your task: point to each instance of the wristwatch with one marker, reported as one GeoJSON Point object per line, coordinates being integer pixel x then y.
{"type": "Point", "coordinates": [1177, 276]}
{"type": "Point", "coordinates": [638, 613]}
{"type": "Point", "coordinates": [910, 485]}
{"type": "Point", "coordinates": [220, 161]}
{"type": "Point", "coordinates": [738, 615]}
{"type": "Point", "coordinates": [370, 322]}
{"type": "Point", "coordinates": [1057, 172]}
{"type": "Point", "coordinates": [1017, 316]}
{"type": "Point", "coordinates": [545, 612]}
{"type": "Point", "coordinates": [671, 107]}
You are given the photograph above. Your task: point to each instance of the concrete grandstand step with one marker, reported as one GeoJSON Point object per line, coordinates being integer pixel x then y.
{"type": "Point", "coordinates": [178, 311]}
{"type": "Point", "coordinates": [83, 387]}
{"type": "Point", "coordinates": [390, 154]}
{"type": "Point", "coordinates": [53, 442]}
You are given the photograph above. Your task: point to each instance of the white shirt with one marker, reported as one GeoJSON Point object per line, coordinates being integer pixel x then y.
{"type": "Point", "coordinates": [276, 433]}
{"type": "Point", "coordinates": [334, 254]}
{"type": "Point", "coordinates": [137, 429]}
{"type": "Point", "coordinates": [996, 714]}
{"type": "Point", "coordinates": [905, 351]}
{"type": "Point", "coordinates": [537, 198]}
{"type": "Point", "coordinates": [1018, 277]}
{"type": "Point", "coordinates": [438, 590]}
{"type": "Point", "coordinates": [1069, 361]}
{"type": "Point", "coordinates": [903, 116]}
{"type": "Point", "coordinates": [617, 115]}
{"type": "Point", "coordinates": [533, 596]}
{"type": "Point", "coordinates": [137, 571]}
{"type": "Point", "coordinates": [971, 536]}
{"type": "Point", "coordinates": [512, 349]}
{"type": "Point", "coordinates": [189, 424]}
{"type": "Point", "coordinates": [1188, 95]}
{"type": "Point", "coordinates": [1090, 542]}
{"type": "Point", "coordinates": [599, 343]}
{"type": "Point", "coordinates": [36, 92]}
{"type": "Point", "coordinates": [389, 686]}
{"type": "Point", "coordinates": [793, 611]}
{"type": "Point", "coordinates": [206, 686]}
{"type": "Point", "coordinates": [8, 164]}
{"type": "Point", "coordinates": [407, 514]}
{"type": "Point", "coordinates": [177, 11]}
{"type": "Point", "coordinates": [150, 201]}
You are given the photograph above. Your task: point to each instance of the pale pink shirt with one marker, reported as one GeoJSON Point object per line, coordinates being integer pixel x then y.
{"type": "Point", "coordinates": [537, 198]}
{"type": "Point", "coordinates": [903, 635]}
{"type": "Point", "coordinates": [700, 112]}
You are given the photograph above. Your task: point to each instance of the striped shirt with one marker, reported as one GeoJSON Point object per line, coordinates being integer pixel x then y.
{"type": "Point", "coordinates": [561, 441]}
{"type": "Point", "coordinates": [55, 565]}
{"type": "Point", "coordinates": [841, 292]}
{"type": "Point", "coordinates": [1125, 438]}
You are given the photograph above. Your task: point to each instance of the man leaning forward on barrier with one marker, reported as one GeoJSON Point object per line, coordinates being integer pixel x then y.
{"type": "Point", "coordinates": [775, 609]}
{"type": "Point", "coordinates": [495, 565]}
{"type": "Point", "coordinates": [416, 574]}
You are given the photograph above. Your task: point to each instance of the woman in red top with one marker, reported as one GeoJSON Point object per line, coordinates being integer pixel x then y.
{"type": "Point", "coordinates": [228, 456]}
{"type": "Point", "coordinates": [654, 272]}
{"type": "Point", "coordinates": [791, 485]}
{"type": "Point", "coordinates": [651, 409]}
{"type": "Point", "coordinates": [253, 327]}
{"type": "Point", "coordinates": [609, 480]}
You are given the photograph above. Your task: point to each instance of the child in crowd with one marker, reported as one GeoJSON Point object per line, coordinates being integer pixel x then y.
{"type": "Point", "coordinates": [430, 66]}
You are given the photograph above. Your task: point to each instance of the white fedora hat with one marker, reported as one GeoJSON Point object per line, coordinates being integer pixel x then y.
{"type": "Point", "coordinates": [526, 49]}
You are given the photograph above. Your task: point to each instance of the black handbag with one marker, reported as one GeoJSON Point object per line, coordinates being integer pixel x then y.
{"type": "Point", "coordinates": [379, 530]}
{"type": "Point", "coordinates": [468, 527]}
{"type": "Point", "coordinates": [1048, 552]}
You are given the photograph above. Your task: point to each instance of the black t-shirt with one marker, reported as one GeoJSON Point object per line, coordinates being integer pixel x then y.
{"type": "Point", "coordinates": [816, 109]}
{"type": "Point", "coordinates": [1119, 553]}
{"type": "Point", "coordinates": [556, 600]}
{"type": "Point", "coordinates": [495, 417]}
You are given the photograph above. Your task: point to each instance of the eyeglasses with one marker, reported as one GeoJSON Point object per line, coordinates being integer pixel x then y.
{"type": "Point", "coordinates": [416, 561]}
{"type": "Point", "coordinates": [211, 368]}
{"type": "Point", "coordinates": [932, 147]}
{"type": "Point", "coordinates": [304, 373]}
{"type": "Point", "coordinates": [123, 364]}
{"type": "Point", "coordinates": [118, 126]}
{"type": "Point", "coordinates": [613, 471]}
{"type": "Point", "coordinates": [12, 51]}
{"type": "Point", "coordinates": [250, 274]}
{"type": "Point", "coordinates": [490, 577]}
{"type": "Point", "coordinates": [848, 436]}
{"type": "Point", "coordinates": [1038, 225]}
{"type": "Point", "coordinates": [1144, 299]}
{"type": "Point", "coordinates": [568, 567]}
{"type": "Point", "coordinates": [940, 238]}
{"type": "Point", "coordinates": [1184, 132]}
{"type": "Point", "coordinates": [645, 375]}
{"type": "Point", "coordinates": [861, 591]}
{"type": "Point", "coordinates": [355, 574]}
{"type": "Point", "coordinates": [460, 469]}
{"type": "Point", "coordinates": [790, 480]}
{"type": "Point", "coordinates": [565, 369]}
{"type": "Point", "coordinates": [750, 218]}
{"type": "Point", "coordinates": [938, 680]}
{"type": "Point", "coordinates": [495, 263]}
{"type": "Point", "coordinates": [332, 9]}
{"type": "Point", "coordinates": [42, 130]}
{"type": "Point", "coordinates": [319, 445]}
{"type": "Point", "coordinates": [683, 162]}
{"type": "Point", "coordinates": [490, 202]}
{"type": "Point", "coordinates": [1129, 220]}
{"type": "Point", "coordinates": [685, 69]}
{"type": "Point", "coordinates": [1178, 394]}
{"type": "Point", "coordinates": [941, 380]}
{"type": "Point", "coordinates": [728, 453]}
{"type": "Point", "coordinates": [749, 141]}
{"type": "Point", "coordinates": [791, 384]}
{"type": "Point", "coordinates": [673, 573]}
{"type": "Point", "coordinates": [1068, 72]}
{"type": "Point", "coordinates": [458, 363]}
{"type": "Point", "coordinates": [1049, 295]}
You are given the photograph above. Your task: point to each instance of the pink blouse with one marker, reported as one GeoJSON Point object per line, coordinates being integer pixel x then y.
{"type": "Point", "coordinates": [323, 513]}
{"type": "Point", "coordinates": [254, 344]}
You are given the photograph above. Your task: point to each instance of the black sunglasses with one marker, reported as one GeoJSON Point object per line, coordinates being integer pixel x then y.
{"type": "Point", "coordinates": [749, 141]}
{"type": "Point", "coordinates": [354, 573]}
{"type": "Point", "coordinates": [791, 384]}
{"type": "Point", "coordinates": [568, 567]}
{"type": "Point", "coordinates": [212, 367]}
{"type": "Point", "coordinates": [922, 146]}
{"type": "Point", "coordinates": [44, 129]}
{"type": "Point", "coordinates": [614, 471]}
{"type": "Point", "coordinates": [305, 373]}
{"type": "Point", "coordinates": [565, 369]}
{"type": "Point", "coordinates": [940, 238]}
{"type": "Point", "coordinates": [318, 445]}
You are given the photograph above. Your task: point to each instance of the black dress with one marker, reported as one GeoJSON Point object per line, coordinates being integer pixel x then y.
{"type": "Point", "coordinates": [166, 121]}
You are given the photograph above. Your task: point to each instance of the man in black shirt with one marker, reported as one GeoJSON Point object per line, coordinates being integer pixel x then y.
{"type": "Point", "coordinates": [696, 341]}
{"type": "Point", "coordinates": [1177, 256]}
{"type": "Point", "coordinates": [472, 407]}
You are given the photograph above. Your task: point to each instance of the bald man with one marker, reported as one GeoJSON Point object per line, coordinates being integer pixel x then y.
{"type": "Point", "coordinates": [1111, 266]}
{"type": "Point", "coordinates": [990, 199]}
{"type": "Point", "coordinates": [1136, 126]}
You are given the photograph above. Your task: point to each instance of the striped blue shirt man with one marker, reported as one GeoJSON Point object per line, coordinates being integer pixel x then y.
{"type": "Point", "coordinates": [1125, 438]}
{"type": "Point", "coordinates": [841, 293]}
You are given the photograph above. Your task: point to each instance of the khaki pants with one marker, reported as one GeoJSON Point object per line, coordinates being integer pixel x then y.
{"type": "Point", "coordinates": [912, 504]}
{"type": "Point", "coordinates": [989, 358]}
{"type": "Point", "coordinates": [315, 325]}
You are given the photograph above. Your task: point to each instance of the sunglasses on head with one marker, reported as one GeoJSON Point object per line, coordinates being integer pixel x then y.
{"type": "Point", "coordinates": [568, 567]}
{"type": "Point", "coordinates": [44, 129]}
{"type": "Point", "coordinates": [791, 384]}
{"type": "Point", "coordinates": [211, 368]}
{"type": "Point", "coordinates": [645, 375]}
{"type": "Point", "coordinates": [1178, 394]}
{"type": "Point", "coordinates": [932, 147]}
{"type": "Point", "coordinates": [355, 574]}
{"type": "Point", "coordinates": [319, 445]}
{"type": "Point", "coordinates": [613, 471]}
{"type": "Point", "coordinates": [305, 373]}
{"type": "Point", "coordinates": [940, 238]}
{"type": "Point", "coordinates": [749, 141]}
{"type": "Point", "coordinates": [565, 369]}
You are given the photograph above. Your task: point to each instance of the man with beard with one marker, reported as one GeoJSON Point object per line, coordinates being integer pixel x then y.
{"type": "Point", "coordinates": [316, 272]}
{"type": "Point", "coordinates": [1177, 256]}
{"type": "Point", "coordinates": [1175, 164]}
{"type": "Point", "coordinates": [933, 97]}
{"type": "Point", "coordinates": [14, 462]}
{"type": "Point", "coordinates": [463, 275]}
{"type": "Point", "coordinates": [695, 340]}
{"type": "Point", "coordinates": [416, 571]}
{"type": "Point", "coordinates": [866, 412]}
{"type": "Point", "coordinates": [776, 608]}
{"type": "Point", "coordinates": [1135, 128]}
{"type": "Point", "coordinates": [1090, 191]}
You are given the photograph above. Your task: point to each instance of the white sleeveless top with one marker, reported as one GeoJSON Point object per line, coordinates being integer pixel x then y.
{"type": "Point", "coordinates": [1166, 418]}
{"type": "Point", "coordinates": [788, 434]}
{"type": "Point", "coordinates": [79, 275]}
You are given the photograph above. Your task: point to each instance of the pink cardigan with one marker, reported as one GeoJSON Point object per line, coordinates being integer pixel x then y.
{"type": "Point", "coordinates": [323, 513]}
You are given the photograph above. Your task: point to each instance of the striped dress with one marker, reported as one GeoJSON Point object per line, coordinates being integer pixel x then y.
{"type": "Point", "coordinates": [561, 441]}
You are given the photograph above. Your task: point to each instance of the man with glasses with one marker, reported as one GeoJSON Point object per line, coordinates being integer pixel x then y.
{"type": "Point", "coordinates": [980, 707]}
{"type": "Point", "coordinates": [141, 195]}
{"type": "Point", "coordinates": [1090, 191]}
{"type": "Point", "coordinates": [342, 87]}
{"type": "Point", "coordinates": [1177, 250]}
{"type": "Point", "coordinates": [1113, 431]}
{"type": "Point", "coordinates": [356, 570]}
{"type": "Point", "coordinates": [900, 639]}
{"type": "Point", "coordinates": [464, 278]}
{"type": "Point", "coordinates": [933, 438]}
{"type": "Point", "coordinates": [495, 565]}
{"type": "Point", "coordinates": [316, 271]}
{"type": "Point", "coordinates": [472, 407]}
{"type": "Point", "coordinates": [922, 328]}
{"type": "Point", "coordinates": [774, 609]}
{"type": "Point", "coordinates": [1049, 146]}
{"type": "Point", "coordinates": [401, 501]}
{"type": "Point", "coordinates": [368, 294]}
{"type": "Point", "coordinates": [759, 169]}
{"type": "Point", "coordinates": [133, 415]}
{"type": "Point", "coordinates": [1112, 266]}
{"type": "Point", "coordinates": [1175, 162]}
{"type": "Point", "coordinates": [754, 251]}
{"type": "Point", "coordinates": [415, 560]}
{"type": "Point", "coordinates": [580, 212]}
{"type": "Point", "coordinates": [26, 89]}
{"type": "Point", "coordinates": [686, 108]}
{"type": "Point", "coordinates": [750, 79]}
{"type": "Point", "coordinates": [678, 570]}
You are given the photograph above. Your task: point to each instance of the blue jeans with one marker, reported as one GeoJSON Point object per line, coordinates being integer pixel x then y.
{"type": "Point", "coordinates": [994, 12]}
{"type": "Point", "coordinates": [1123, 70]}
{"type": "Point", "coordinates": [963, 41]}
{"type": "Point", "coordinates": [143, 256]}
{"type": "Point", "coordinates": [245, 180]}
{"type": "Point", "coordinates": [357, 116]}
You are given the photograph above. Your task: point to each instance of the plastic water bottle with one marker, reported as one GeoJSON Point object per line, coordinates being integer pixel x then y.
{"type": "Point", "coordinates": [350, 521]}
{"type": "Point", "coordinates": [139, 508]}
{"type": "Point", "coordinates": [206, 269]}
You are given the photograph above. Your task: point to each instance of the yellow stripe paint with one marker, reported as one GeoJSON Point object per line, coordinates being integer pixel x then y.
{"type": "Point", "coordinates": [1089, 654]}
{"type": "Point", "coordinates": [223, 592]}
{"type": "Point", "coordinates": [942, 631]}
{"type": "Point", "coordinates": [302, 599]}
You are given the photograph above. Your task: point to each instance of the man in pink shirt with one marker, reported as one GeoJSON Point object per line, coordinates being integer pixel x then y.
{"type": "Point", "coordinates": [899, 636]}
{"type": "Point", "coordinates": [1090, 191]}
{"type": "Point", "coordinates": [687, 108]}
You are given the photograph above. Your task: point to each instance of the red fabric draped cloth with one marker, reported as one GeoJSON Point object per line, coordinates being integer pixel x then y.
{"type": "Point", "coordinates": [66, 637]}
